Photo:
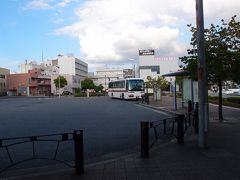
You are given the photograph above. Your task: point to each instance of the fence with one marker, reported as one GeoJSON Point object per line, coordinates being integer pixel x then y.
{"type": "Point", "coordinates": [166, 126]}
{"type": "Point", "coordinates": [175, 126]}
{"type": "Point", "coordinates": [76, 137]}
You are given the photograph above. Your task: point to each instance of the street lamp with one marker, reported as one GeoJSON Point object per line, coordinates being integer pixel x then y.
{"type": "Point", "coordinates": [58, 82]}
{"type": "Point", "coordinates": [133, 66]}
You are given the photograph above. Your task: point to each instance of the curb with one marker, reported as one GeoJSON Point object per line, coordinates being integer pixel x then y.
{"type": "Point", "coordinates": [163, 109]}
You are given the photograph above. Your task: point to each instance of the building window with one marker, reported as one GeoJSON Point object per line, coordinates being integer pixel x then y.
{"type": "Point", "coordinates": [2, 76]}
{"type": "Point", "coordinates": [153, 68]}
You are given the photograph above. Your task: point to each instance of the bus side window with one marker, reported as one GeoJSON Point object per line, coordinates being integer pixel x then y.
{"type": "Point", "coordinates": [126, 85]}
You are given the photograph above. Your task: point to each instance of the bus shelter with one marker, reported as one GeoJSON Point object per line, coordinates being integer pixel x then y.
{"type": "Point", "coordinates": [189, 88]}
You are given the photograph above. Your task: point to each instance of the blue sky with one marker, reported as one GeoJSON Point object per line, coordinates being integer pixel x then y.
{"type": "Point", "coordinates": [102, 32]}
{"type": "Point", "coordinates": [26, 33]}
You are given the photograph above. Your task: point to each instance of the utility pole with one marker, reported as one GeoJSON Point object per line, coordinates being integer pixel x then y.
{"type": "Point", "coordinates": [202, 82]}
{"type": "Point", "coordinates": [59, 86]}
{"type": "Point", "coordinates": [59, 96]}
{"type": "Point", "coordinates": [134, 70]}
{"type": "Point", "coordinates": [105, 83]}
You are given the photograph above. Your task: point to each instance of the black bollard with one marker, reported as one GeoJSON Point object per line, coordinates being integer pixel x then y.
{"type": "Point", "coordinates": [180, 129]}
{"type": "Point", "coordinates": [144, 139]}
{"type": "Point", "coordinates": [78, 152]}
{"type": "Point", "coordinates": [196, 119]}
{"type": "Point", "coordinates": [164, 126]}
{"type": "Point", "coordinates": [189, 112]}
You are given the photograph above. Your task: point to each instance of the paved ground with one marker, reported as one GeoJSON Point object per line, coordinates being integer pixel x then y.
{"type": "Point", "coordinates": [111, 126]}
{"type": "Point", "coordinates": [221, 160]}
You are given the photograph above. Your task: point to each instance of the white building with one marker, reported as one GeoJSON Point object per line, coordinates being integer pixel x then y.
{"type": "Point", "coordinates": [104, 76]}
{"type": "Point", "coordinates": [149, 65]}
{"type": "Point", "coordinates": [24, 68]}
{"type": "Point", "coordinates": [72, 68]}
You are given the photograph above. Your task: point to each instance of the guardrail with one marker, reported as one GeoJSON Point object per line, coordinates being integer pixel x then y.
{"type": "Point", "coordinates": [165, 126]}
{"type": "Point", "coordinates": [175, 126]}
{"type": "Point", "coordinates": [76, 137]}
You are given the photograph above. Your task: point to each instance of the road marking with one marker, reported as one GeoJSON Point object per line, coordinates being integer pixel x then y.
{"type": "Point", "coordinates": [227, 107]}
{"type": "Point", "coordinates": [157, 111]}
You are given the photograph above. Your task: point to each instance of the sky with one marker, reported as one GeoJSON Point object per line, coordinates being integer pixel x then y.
{"type": "Point", "coordinates": [103, 33]}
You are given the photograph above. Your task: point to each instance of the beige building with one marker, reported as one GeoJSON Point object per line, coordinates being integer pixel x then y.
{"type": "Point", "coordinates": [3, 81]}
{"type": "Point", "coordinates": [24, 68]}
{"type": "Point", "coordinates": [104, 76]}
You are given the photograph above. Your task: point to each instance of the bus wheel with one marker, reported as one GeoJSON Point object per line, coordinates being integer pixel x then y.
{"type": "Point", "coordinates": [122, 96]}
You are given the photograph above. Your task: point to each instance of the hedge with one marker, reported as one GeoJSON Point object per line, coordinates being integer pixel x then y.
{"type": "Point", "coordinates": [230, 101]}
{"type": "Point", "coordinates": [234, 100]}
{"type": "Point", "coordinates": [90, 94]}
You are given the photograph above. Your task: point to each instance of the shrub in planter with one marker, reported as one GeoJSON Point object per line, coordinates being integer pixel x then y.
{"type": "Point", "coordinates": [80, 95]}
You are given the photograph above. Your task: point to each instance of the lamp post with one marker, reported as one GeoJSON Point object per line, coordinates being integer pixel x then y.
{"type": "Point", "coordinates": [59, 86]}
{"type": "Point", "coordinates": [133, 66]}
{"type": "Point", "coordinates": [105, 83]}
{"type": "Point", "coordinates": [58, 82]}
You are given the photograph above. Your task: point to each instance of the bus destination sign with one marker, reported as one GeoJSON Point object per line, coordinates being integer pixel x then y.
{"type": "Point", "coordinates": [146, 52]}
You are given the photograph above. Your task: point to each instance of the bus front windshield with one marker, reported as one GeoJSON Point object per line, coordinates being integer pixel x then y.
{"type": "Point", "coordinates": [136, 85]}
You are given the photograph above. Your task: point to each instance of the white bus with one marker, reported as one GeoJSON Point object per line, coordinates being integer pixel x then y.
{"type": "Point", "coordinates": [130, 88]}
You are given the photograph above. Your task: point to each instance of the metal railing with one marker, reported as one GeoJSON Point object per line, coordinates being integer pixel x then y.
{"type": "Point", "coordinates": [161, 128]}
{"type": "Point", "coordinates": [76, 136]}
{"type": "Point", "coordinates": [166, 126]}
{"type": "Point", "coordinates": [176, 126]}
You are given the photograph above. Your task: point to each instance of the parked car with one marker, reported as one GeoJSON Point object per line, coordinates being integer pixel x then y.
{"type": "Point", "coordinates": [66, 93]}
{"type": "Point", "coordinates": [231, 91]}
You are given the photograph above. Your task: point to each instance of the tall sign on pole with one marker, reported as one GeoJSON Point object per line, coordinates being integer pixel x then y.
{"type": "Point", "coordinates": [202, 81]}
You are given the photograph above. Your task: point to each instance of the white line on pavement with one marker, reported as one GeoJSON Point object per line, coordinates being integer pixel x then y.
{"type": "Point", "coordinates": [157, 111]}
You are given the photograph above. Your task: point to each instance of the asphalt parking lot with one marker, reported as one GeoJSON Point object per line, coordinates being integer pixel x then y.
{"type": "Point", "coordinates": [110, 126]}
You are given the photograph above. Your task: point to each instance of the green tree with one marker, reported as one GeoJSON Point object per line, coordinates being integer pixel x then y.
{"type": "Point", "coordinates": [87, 84]}
{"type": "Point", "coordinates": [222, 46]}
{"type": "Point", "coordinates": [159, 82]}
{"type": "Point", "coordinates": [63, 81]}
{"type": "Point", "coordinates": [78, 90]}
{"type": "Point", "coordinates": [98, 88]}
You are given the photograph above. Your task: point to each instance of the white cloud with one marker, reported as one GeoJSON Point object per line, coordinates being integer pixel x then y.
{"type": "Point", "coordinates": [38, 4]}
{"type": "Point", "coordinates": [113, 30]}
{"type": "Point", "coordinates": [47, 4]}
{"type": "Point", "coordinates": [64, 3]}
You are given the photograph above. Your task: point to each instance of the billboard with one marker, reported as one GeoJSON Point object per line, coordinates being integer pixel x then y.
{"type": "Point", "coordinates": [149, 52]}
